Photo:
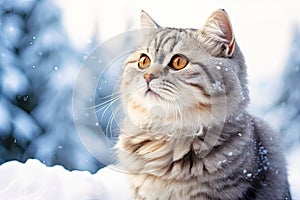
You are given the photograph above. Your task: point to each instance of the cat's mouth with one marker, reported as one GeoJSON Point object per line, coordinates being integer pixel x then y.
{"type": "Point", "coordinates": [149, 91]}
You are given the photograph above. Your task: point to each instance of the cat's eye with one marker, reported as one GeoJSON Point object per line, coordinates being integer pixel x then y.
{"type": "Point", "coordinates": [144, 61]}
{"type": "Point", "coordinates": [178, 62]}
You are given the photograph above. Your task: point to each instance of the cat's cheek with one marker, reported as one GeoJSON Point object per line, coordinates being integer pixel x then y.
{"type": "Point", "coordinates": [144, 112]}
{"type": "Point", "coordinates": [137, 113]}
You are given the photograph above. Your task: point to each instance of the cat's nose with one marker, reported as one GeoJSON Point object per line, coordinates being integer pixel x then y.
{"type": "Point", "coordinates": [149, 77]}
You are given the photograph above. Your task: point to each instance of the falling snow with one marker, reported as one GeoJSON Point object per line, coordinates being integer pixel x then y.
{"type": "Point", "coordinates": [217, 86]}
{"type": "Point", "coordinates": [32, 101]}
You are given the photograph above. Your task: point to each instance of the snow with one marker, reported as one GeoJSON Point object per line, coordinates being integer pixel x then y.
{"type": "Point", "coordinates": [51, 80]}
{"type": "Point", "coordinates": [294, 172]}
{"type": "Point", "coordinates": [13, 82]}
{"type": "Point", "coordinates": [35, 181]}
{"type": "Point", "coordinates": [218, 86]}
{"type": "Point", "coordinates": [4, 119]}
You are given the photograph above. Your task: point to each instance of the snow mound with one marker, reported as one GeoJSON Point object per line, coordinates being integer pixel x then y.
{"type": "Point", "coordinates": [294, 172]}
{"type": "Point", "coordinates": [35, 181]}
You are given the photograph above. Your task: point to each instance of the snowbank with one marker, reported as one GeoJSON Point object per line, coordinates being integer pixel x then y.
{"type": "Point", "coordinates": [35, 181]}
{"type": "Point", "coordinates": [294, 172]}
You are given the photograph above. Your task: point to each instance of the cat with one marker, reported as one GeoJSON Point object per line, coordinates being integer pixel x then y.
{"type": "Point", "coordinates": [186, 133]}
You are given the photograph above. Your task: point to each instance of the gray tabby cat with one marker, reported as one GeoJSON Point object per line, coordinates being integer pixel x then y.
{"type": "Point", "coordinates": [186, 132]}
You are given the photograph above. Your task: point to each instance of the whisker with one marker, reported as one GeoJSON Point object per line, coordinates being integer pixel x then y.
{"type": "Point", "coordinates": [111, 95]}
{"type": "Point", "coordinates": [107, 106]}
{"type": "Point", "coordinates": [108, 102]}
{"type": "Point", "coordinates": [102, 103]}
{"type": "Point", "coordinates": [141, 88]}
{"type": "Point", "coordinates": [104, 107]}
{"type": "Point", "coordinates": [109, 126]}
{"type": "Point", "coordinates": [170, 85]}
{"type": "Point", "coordinates": [167, 91]}
{"type": "Point", "coordinates": [179, 112]}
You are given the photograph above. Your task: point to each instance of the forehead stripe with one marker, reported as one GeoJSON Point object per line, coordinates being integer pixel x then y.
{"type": "Point", "coordinates": [161, 38]}
{"type": "Point", "coordinates": [167, 40]}
{"type": "Point", "coordinates": [206, 71]}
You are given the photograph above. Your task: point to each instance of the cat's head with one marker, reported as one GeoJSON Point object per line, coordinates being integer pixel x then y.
{"type": "Point", "coordinates": [184, 78]}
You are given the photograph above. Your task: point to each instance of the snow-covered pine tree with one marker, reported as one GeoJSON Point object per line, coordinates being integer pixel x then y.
{"type": "Point", "coordinates": [38, 68]}
{"type": "Point", "coordinates": [17, 127]}
{"type": "Point", "coordinates": [287, 107]}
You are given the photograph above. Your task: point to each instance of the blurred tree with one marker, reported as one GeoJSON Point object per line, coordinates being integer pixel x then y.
{"type": "Point", "coordinates": [37, 70]}
{"type": "Point", "coordinates": [287, 108]}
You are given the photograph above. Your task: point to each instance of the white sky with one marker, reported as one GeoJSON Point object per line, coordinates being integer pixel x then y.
{"type": "Point", "coordinates": [262, 28]}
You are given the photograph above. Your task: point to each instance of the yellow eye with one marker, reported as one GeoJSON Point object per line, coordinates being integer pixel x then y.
{"type": "Point", "coordinates": [178, 62]}
{"type": "Point", "coordinates": [144, 61]}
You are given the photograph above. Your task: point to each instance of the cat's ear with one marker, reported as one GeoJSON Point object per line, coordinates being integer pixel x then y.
{"type": "Point", "coordinates": [147, 21]}
{"type": "Point", "coordinates": [217, 35]}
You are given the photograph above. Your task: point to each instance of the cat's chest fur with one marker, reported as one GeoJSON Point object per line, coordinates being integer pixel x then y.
{"type": "Point", "coordinates": [160, 168]}
{"type": "Point", "coordinates": [186, 168]}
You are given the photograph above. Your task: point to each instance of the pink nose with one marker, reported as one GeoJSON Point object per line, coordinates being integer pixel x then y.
{"type": "Point", "coordinates": [149, 77]}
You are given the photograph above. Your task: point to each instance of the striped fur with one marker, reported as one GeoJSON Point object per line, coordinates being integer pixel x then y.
{"type": "Point", "coordinates": [186, 134]}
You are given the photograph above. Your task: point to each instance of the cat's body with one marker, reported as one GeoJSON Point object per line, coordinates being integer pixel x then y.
{"type": "Point", "coordinates": [186, 133]}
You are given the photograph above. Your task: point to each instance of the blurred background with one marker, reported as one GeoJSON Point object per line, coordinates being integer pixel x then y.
{"type": "Point", "coordinates": [43, 44]}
